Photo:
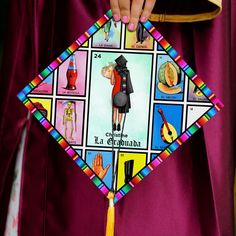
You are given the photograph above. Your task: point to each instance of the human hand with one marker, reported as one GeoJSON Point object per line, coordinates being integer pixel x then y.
{"type": "Point", "coordinates": [130, 11]}
{"type": "Point", "coordinates": [97, 166]}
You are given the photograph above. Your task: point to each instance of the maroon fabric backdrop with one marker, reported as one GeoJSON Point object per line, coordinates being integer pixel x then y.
{"type": "Point", "coordinates": [189, 194]}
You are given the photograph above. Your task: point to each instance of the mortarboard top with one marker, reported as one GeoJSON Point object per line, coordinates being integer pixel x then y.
{"type": "Point", "coordinates": [175, 103]}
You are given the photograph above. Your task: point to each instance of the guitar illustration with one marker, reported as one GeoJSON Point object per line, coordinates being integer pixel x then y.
{"type": "Point", "coordinates": [168, 131]}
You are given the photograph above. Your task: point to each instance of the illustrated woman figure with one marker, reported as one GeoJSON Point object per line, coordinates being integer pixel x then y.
{"type": "Point", "coordinates": [119, 77]}
{"type": "Point", "coordinates": [107, 29]}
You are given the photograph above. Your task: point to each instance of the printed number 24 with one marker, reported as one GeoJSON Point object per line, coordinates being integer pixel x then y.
{"type": "Point", "coordinates": [97, 55]}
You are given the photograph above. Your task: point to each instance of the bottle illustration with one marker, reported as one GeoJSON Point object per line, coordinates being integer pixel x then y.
{"type": "Point", "coordinates": [71, 74]}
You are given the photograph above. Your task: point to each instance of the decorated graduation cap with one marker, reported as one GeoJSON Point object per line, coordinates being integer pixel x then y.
{"type": "Point", "coordinates": [119, 103]}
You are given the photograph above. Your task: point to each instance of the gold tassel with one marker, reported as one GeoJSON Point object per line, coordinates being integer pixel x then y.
{"type": "Point", "coordinates": [110, 227]}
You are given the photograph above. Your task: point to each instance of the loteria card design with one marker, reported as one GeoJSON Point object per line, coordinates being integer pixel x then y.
{"type": "Point", "coordinates": [140, 39]}
{"type": "Point", "coordinates": [99, 159]}
{"type": "Point", "coordinates": [168, 86]}
{"type": "Point", "coordinates": [109, 36]}
{"type": "Point", "coordinates": [69, 120]}
{"type": "Point", "coordinates": [167, 124]}
{"type": "Point", "coordinates": [119, 103]}
{"type": "Point", "coordinates": [135, 134]}
{"type": "Point", "coordinates": [71, 75]}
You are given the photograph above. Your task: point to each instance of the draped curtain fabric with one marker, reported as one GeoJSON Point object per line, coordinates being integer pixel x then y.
{"type": "Point", "coordinates": [189, 194]}
{"type": "Point", "coordinates": [185, 10]}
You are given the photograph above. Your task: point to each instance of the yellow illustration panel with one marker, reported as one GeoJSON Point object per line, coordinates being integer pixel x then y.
{"type": "Point", "coordinates": [85, 45]}
{"type": "Point", "coordinates": [129, 164]}
{"type": "Point", "coordinates": [43, 105]}
{"type": "Point", "coordinates": [139, 39]}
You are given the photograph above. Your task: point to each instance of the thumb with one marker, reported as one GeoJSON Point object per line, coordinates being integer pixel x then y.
{"type": "Point", "coordinates": [106, 168]}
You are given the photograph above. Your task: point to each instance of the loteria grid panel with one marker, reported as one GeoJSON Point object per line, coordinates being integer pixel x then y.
{"type": "Point", "coordinates": [215, 103]}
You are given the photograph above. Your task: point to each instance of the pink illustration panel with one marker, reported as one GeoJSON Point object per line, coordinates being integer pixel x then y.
{"type": "Point", "coordinates": [45, 87]}
{"type": "Point", "coordinates": [72, 75]}
{"type": "Point", "coordinates": [69, 120]}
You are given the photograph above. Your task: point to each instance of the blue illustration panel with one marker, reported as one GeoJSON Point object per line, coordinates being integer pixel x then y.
{"type": "Point", "coordinates": [79, 151]}
{"type": "Point", "coordinates": [153, 156]}
{"type": "Point", "coordinates": [169, 84]}
{"type": "Point", "coordinates": [159, 47]}
{"type": "Point", "coordinates": [101, 162]}
{"type": "Point", "coordinates": [167, 120]}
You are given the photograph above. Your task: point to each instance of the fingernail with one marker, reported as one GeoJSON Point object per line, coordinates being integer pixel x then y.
{"type": "Point", "coordinates": [131, 26]}
{"type": "Point", "coordinates": [116, 17]}
{"type": "Point", "coordinates": [143, 19]}
{"type": "Point", "coordinates": [125, 19]}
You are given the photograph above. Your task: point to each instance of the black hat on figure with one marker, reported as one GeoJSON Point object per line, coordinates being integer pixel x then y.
{"type": "Point", "coordinates": [121, 61]}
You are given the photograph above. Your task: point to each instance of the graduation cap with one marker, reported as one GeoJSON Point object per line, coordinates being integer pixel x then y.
{"type": "Point", "coordinates": [117, 151]}
{"type": "Point", "coordinates": [121, 61]}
